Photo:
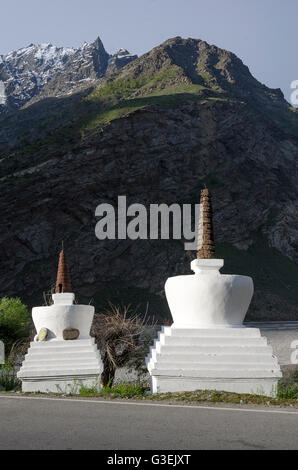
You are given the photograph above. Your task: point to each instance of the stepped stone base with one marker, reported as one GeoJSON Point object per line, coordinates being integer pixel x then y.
{"type": "Point", "coordinates": [61, 366]}
{"type": "Point", "coordinates": [228, 359]}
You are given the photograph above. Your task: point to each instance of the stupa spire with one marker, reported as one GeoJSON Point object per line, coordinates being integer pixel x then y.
{"type": "Point", "coordinates": [63, 283]}
{"type": "Point", "coordinates": [206, 247]}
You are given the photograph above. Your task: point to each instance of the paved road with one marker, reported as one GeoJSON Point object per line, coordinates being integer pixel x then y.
{"type": "Point", "coordinates": [45, 423]}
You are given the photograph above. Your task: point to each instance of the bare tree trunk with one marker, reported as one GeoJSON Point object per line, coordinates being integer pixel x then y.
{"type": "Point", "coordinates": [108, 374]}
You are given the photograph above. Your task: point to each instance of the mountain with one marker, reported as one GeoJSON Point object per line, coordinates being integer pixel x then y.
{"type": "Point", "coordinates": [36, 72]}
{"type": "Point", "coordinates": [184, 115]}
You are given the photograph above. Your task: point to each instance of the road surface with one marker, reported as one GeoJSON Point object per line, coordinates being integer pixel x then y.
{"type": "Point", "coordinates": [70, 423]}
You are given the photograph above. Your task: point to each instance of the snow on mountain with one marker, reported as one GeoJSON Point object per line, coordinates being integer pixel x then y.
{"type": "Point", "coordinates": [119, 60]}
{"type": "Point", "coordinates": [49, 53]}
{"type": "Point", "coordinates": [123, 53]}
{"type": "Point", "coordinates": [39, 71]}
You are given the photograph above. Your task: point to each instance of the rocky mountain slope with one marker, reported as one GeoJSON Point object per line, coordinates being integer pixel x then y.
{"type": "Point", "coordinates": [35, 72]}
{"type": "Point", "coordinates": [157, 130]}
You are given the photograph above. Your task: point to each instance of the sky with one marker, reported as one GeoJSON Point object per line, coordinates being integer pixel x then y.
{"type": "Point", "coordinates": [263, 33]}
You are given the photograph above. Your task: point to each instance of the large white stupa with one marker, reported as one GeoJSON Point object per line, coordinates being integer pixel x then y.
{"type": "Point", "coordinates": [63, 356]}
{"type": "Point", "coordinates": [207, 347]}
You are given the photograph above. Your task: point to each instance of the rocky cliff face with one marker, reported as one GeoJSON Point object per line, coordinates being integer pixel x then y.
{"type": "Point", "coordinates": [36, 72]}
{"type": "Point", "coordinates": [184, 115]}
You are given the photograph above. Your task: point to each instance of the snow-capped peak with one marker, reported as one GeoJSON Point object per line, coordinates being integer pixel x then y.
{"type": "Point", "coordinates": [50, 53]}
{"type": "Point", "coordinates": [123, 53]}
{"type": "Point", "coordinates": [48, 70]}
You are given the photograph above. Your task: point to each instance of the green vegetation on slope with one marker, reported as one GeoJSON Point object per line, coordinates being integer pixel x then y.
{"type": "Point", "coordinates": [125, 87]}
{"type": "Point", "coordinates": [116, 98]}
{"type": "Point", "coordinates": [120, 97]}
{"type": "Point", "coordinates": [166, 99]}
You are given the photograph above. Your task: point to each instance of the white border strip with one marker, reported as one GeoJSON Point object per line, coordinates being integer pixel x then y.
{"type": "Point", "coordinates": [108, 402]}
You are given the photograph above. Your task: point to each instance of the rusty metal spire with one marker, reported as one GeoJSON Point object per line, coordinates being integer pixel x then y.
{"type": "Point", "coordinates": [206, 247]}
{"type": "Point", "coordinates": [63, 283]}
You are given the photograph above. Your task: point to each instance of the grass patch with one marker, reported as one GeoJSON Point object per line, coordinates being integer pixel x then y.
{"type": "Point", "coordinates": [213, 396]}
{"type": "Point", "coordinates": [287, 393]}
{"type": "Point", "coordinates": [120, 390]}
{"type": "Point", "coordinates": [288, 385]}
{"type": "Point", "coordinates": [8, 378]}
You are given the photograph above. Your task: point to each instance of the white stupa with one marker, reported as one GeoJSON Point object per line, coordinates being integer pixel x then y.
{"type": "Point", "coordinates": [207, 347]}
{"type": "Point", "coordinates": [63, 356]}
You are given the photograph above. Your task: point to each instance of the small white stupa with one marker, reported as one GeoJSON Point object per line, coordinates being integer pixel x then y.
{"type": "Point", "coordinates": [207, 347]}
{"type": "Point", "coordinates": [63, 356]}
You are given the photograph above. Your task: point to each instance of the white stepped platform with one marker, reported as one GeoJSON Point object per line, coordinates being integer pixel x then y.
{"type": "Point", "coordinates": [228, 359]}
{"type": "Point", "coordinates": [61, 366]}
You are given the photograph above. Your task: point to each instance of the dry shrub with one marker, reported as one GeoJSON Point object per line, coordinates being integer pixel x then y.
{"type": "Point", "coordinates": [117, 333]}
{"type": "Point", "coordinates": [20, 348]}
{"type": "Point", "coordinates": [47, 296]}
